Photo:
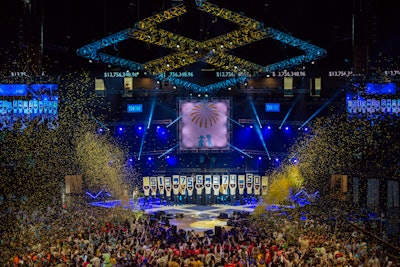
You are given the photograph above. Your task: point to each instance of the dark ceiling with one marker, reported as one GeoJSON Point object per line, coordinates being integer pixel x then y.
{"type": "Point", "coordinates": [70, 24]}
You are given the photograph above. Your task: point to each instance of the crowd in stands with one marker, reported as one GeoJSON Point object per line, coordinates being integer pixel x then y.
{"type": "Point", "coordinates": [85, 236]}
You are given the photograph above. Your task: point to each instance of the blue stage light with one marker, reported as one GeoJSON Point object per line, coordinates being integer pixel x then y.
{"type": "Point", "coordinates": [259, 158]}
{"type": "Point", "coordinates": [149, 158]}
{"type": "Point", "coordinates": [171, 160]}
{"type": "Point", "coordinates": [269, 127]}
{"type": "Point", "coordinates": [286, 128]}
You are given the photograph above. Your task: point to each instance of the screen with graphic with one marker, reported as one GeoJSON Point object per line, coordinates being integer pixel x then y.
{"type": "Point", "coordinates": [27, 102]}
{"type": "Point", "coordinates": [204, 125]}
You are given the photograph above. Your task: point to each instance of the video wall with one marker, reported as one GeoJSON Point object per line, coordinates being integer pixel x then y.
{"type": "Point", "coordinates": [26, 102]}
{"type": "Point", "coordinates": [204, 125]}
{"type": "Point", "coordinates": [373, 99]}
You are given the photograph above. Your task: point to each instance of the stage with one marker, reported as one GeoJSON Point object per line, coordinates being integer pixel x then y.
{"type": "Point", "coordinates": [187, 217]}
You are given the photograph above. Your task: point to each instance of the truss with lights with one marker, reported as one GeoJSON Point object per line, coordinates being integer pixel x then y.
{"type": "Point", "coordinates": [215, 51]}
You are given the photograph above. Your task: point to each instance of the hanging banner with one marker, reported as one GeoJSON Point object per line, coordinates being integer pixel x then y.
{"type": "Point", "coordinates": [264, 185]}
{"type": "Point", "coordinates": [182, 185]}
{"type": "Point", "coordinates": [225, 184]}
{"type": "Point", "coordinates": [199, 184]}
{"type": "Point", "coordinates": [241, 183]}
{"type": "Point", "coordinates": [160, 184]}
{"type": "Point", "coordinates": [232, 184]}
{"type": "Point", "coordinates": [216, 185]}
{"type": "Point", "coordinates": [207, 184]}
{"type": "Point", "coordinates": [249, 183]}
{"type": "Point", "coordinates": [257, 185]}
{"type": "Point", "coordinates": [175, 184]}
{"type": "Point", "coordinates": [190, 185]}
{"type": "Point", "coordinates": [168, 187]}
{"type": "Point", "coordinates": [153, 186]}
{"type": "Point", "coordinates": [146, 185]}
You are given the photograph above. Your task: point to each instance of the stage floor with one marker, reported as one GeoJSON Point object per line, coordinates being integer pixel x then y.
{"type": "Point", "coordinates": [188, 216]}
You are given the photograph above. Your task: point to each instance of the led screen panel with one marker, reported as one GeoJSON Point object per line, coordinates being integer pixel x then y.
{"type": "Point", "coordinates": [134, 108]}
{"type": "Point", "coordinates": [272, 107]}
{"type": "Point", "coordinates": [13, 89]}
{"type": "Point", "coordinates": [39, 102]}
{"type": "Point", "coordinates": [380, 89]}
{"type": "Point", "coordinates": [204, 125]}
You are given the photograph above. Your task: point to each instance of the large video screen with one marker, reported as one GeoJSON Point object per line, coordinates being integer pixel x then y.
{"type": "Point", "coordinates": [204, 125]}
{"type": "Point", "coordinates": [26, 102]}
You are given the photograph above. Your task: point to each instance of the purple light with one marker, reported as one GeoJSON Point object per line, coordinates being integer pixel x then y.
{"type": "Point", "coordinates": [130, 159]}
{"type": "Point", "coordinates": [306, 129]}
{"type": "Point", "coordinates": [259, 158]}
{"type": "Point", "coordinates": [276, 159]}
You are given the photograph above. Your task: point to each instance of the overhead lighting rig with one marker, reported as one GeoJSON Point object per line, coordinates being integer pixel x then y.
{"type": "Point", "coordinates": [215, 51]}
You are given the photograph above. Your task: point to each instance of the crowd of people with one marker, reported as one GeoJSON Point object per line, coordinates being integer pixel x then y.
{"type": "Point", "coordinates": [86, 236]}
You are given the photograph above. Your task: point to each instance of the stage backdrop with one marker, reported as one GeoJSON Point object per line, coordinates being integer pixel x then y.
{"type": "Point", "coordinates": [204, 125]}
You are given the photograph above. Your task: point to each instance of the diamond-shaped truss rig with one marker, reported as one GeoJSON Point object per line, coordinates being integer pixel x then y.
{"type": "Point", "coordinates": [186, 51]}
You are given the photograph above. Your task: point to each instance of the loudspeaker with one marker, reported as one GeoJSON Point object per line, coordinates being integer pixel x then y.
{"type": "Point", "coordinates": [223, 216]}
{"type": "Point", "coordinates": [209, 232]}
{"type": "Point", "coordinates": [218, 231]}
{"type": "Point", "coordinates": [159, 214]}
{"type": "Point", "coordinates": [73, 184]}
{"type": "Point", "coordinates": [179, 215]}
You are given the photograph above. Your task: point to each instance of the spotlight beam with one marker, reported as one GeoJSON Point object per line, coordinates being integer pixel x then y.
{"type": "Point", "coordinates": [153, 104]}
{"type": "Point", "coordinates": [99, 122]}
{"type": "Point", "coordinates": [241, 151]}
{"type": "Point", "coordinates": [289, 111]}
{"type": "Point", "coordinates": [259, 133]}
{"type": "Point", "coordinates": [148, 126]}
{"type": "Point", "coordinates": [321, 108]}
{"type": "Point", "coordinates": [142, 144]}
{"type": "Point", "coordinates": [238, 123]}
{"type": "Point", "coordinates": [255, 113]}
{"type": "Point", "coordinates": [177, 119]}
{"type": "Point", "coordinates": [169, 150]}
